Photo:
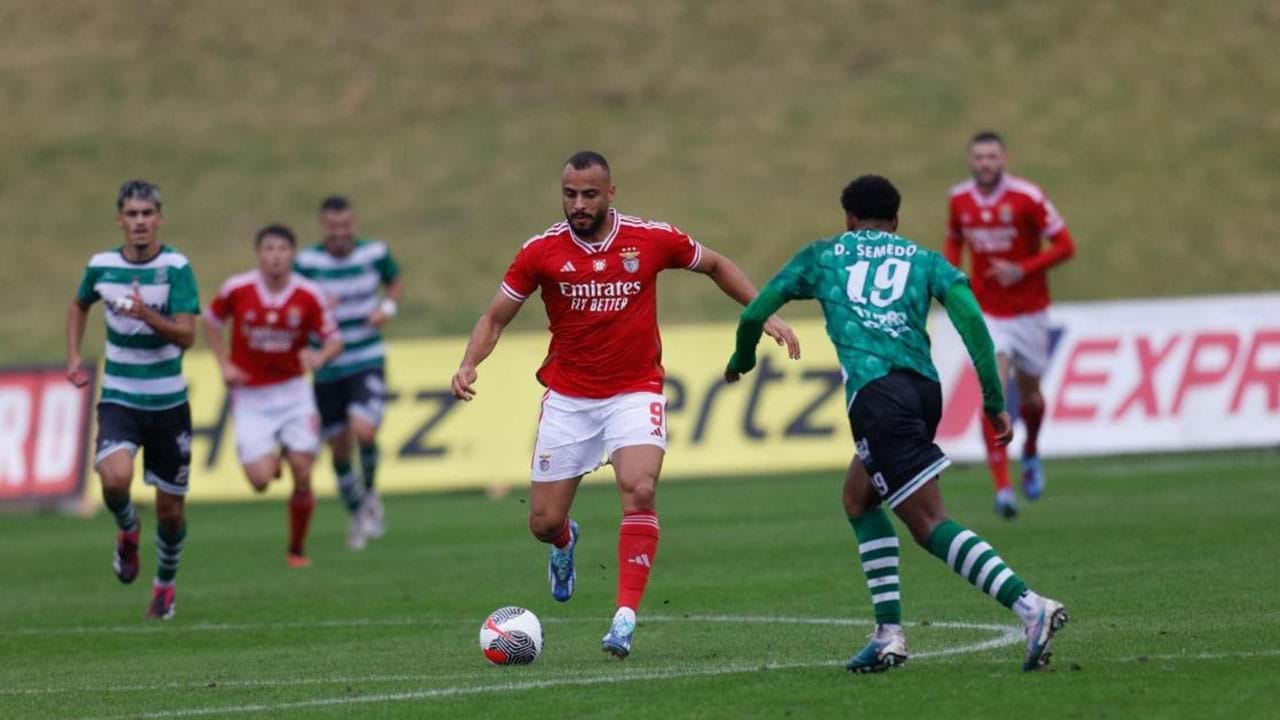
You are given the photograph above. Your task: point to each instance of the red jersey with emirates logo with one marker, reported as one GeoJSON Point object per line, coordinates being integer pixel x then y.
{"type": "Point", "coordinates": [1011, 223]}
{"type": "Point", "coordinates": [601, 302]}
{"type": "Point", "coordinates": [268, 329]}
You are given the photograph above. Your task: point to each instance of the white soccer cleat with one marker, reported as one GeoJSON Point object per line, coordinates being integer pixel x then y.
{"type": "Point", "coordinates": [373, 515]}
{"type": "Point", "coordinates": [1040, 632]}
{"type": "Point", "coordinates": [356, 538]}
{"type": "Point", "coordinates": [887, 649]}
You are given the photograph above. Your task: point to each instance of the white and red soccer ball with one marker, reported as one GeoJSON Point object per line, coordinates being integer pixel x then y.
{"type": "Point", "coordinates": [511, 636]}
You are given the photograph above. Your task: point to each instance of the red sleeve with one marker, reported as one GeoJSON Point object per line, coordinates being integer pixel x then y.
{"type": "Point", "coordinates": [682, 250]}
{"type": "Point", "coordinates": [1061, 248]}
{"type": "Point", "coordinates": [322, 322]}
{"type": "Point", "coordinates": [1050, 225]}
{"type": "Point", "coordinates": [220, 308]}
{"type": "Point", "coordinates": [953, 249]}
{"type": "Point", "coordinates": [522, 276]}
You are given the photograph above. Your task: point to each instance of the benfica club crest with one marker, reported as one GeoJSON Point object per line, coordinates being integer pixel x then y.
{"type": "Point", "coordinates": [1006, 213]}
{"type": "Point", "coordinates": [598, 265]}
{"type": "Point", "coordinates": [544, 462]}
{"type": "Point", "coordinates": [293, 316]}
{"type": "Point", "coordinates": [630, 259]}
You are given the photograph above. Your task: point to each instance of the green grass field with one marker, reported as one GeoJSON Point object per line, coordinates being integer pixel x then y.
{"type": "Point", "coordinates": [1166, 563]}
{"type": "Point", "coordinates": [1152, 125]}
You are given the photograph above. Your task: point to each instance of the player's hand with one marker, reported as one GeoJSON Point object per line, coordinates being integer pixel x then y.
{"type": "Point", "coordinates": [136, 308]}
{"type": "Point", "coordinates": [310, 359]}
{"type": "Point", "coordinates": [1005, 272]}
{"type": "Point", "coordinates": [462, 382]}
{"type": "Point", "coordinates": [232, 374]}
{"type": "Point", "coordinates": [775, 328]}
{"type": "Point", "coordinates": [76, 373]}
{"type": "Point", "coordinates": [1003, 426]}
{"type": "Point", "coordinates": [378, 318]}
{"type": "Point", "coordinates": [732, 377]}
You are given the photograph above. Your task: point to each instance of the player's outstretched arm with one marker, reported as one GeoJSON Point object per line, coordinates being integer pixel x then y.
{"type": "Point", "coordinates": [77, 318]}
{"type": "Point", "coordinates": [484, 338]}
{"type": "Point", "coordinates": [733, 282]}
{"type": "Point", "coordinates": [231, 374]}
{"type": "Point", "coordinates": [750, 326]}
{"type": "Point", "coordinates": [966, 316]}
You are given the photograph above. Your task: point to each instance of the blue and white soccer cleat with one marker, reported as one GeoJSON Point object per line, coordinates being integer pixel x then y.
{"type": "Point", "coordinates": [1051, 618]}
{"type": "Point", "coordinates": [1032, 477]}
{"type": "Point", "coordinates": [617, 641]}
{"type": "Point", "coordinates": [560, 570]}
{"type": "Point", "coordinates": [1006, 504]}
{"type": "Point", "coordinates": [887, 649]}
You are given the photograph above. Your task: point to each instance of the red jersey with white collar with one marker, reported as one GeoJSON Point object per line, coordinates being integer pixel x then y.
{"type": "Point", "coordinates": [268, 329]}
{"type": "Point", "coordinates": [1010, 223]}
{"type": "Point", "coordinates": [601, 302]}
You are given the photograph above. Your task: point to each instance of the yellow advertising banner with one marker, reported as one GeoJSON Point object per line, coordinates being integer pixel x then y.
{"type": "Point", "coordinates": [787, 415]}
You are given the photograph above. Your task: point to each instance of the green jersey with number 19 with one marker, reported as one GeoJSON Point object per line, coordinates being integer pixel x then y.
{"type": "Point", "coordinates": [875, 288]}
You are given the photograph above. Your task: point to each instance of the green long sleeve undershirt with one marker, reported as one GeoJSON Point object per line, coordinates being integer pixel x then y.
{"type": "Point", "coordinates": [966, 316]}
{"type": "Point", "coordinates": [751, 327]}
{"type": "Point", "coordinates": [962, 308]}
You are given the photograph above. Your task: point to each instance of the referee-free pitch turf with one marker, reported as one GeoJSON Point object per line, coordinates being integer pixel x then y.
{"type": "Point", "coordinates": [1167, 564]}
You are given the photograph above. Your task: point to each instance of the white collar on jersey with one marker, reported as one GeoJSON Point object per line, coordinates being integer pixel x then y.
{"type": "Point", "coordinates": [989, 200]}
{"type": "Point", "coordinates": [603, 244]}
{"type": "Point", "coordinates": [270, 299]}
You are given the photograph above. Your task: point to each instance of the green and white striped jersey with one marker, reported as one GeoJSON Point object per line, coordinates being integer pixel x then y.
{"type": "Point", "coordinates": [353, 283]}
{"type": "Point", "coordinates": [143, 369]}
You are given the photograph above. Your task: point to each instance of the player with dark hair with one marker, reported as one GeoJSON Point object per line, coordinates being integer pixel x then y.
{"type": "Point", "coordinates": [150, 303]}
{"type": "Point", "coordinates": [597, 272]}
{"type": "Point", "coordinates": [875, 289]}
{"type": "Point", "coordinates": [273, 312]}
{"type": "Point", "coordinates": [1004, 220]}
{"type": "Point", "coordinates": [363, 281]}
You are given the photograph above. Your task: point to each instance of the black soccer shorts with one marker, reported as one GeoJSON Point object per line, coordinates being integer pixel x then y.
{"type": "Point", "coordinates": [894, 421]}
{"type": "Point", "coordinates": [163, 436]}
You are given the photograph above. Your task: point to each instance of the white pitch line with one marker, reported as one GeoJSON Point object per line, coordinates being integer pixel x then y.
{"type": "Point", "coordinates": [338, 680]}
{"type": "Point", "coordinates": [1008, 636]}
{"type": "Point", "coordinates": [1203, 656]}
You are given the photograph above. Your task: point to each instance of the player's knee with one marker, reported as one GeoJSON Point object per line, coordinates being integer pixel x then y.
{"type": "Point", "coordinates": [365, 434]}
{"type": "Point", "coordinates": [545, 525]}
{"type": "Point", "coordinates": [638, 493]}
{"type": "Point", "coordinates": [1032, 400]}
{"type": "Point", "coordinates": [854, 506]}
{"type": "Point", "coordinates": [170, 513]}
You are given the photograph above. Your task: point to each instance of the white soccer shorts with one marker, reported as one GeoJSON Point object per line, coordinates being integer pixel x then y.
{"type": "Point", "coordinates": [269, 416]}
{"type": "Point", "coordinates": [1024, 338]}
{"type": "Point", "coordinates": [576, 435]}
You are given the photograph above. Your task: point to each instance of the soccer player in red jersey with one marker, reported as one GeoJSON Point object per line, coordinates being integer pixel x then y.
{"type": "Point", "coordinates": [597, 274]}
{"type": "Point", "coordinates": [1003, 220]}
{"type": "Point", "coordinates": [273, 311]}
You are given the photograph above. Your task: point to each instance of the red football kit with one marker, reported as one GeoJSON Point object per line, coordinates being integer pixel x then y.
{"type": "Point", "coordinates": [270, 328]}
{"type": "Point", "coordinates": [1009, 224]}
{"type": "Point", "coordinates": [601, 302]}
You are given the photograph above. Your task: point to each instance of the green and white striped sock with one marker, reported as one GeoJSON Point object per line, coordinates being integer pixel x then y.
{"type": "Point", "coordinates": [878, 550]}
{"type": "Point", "coordinates": [976, 561]}
{"type": "Point", "coordinates": [349, 486]}
{"type": "Point", "coordinates": [122, 509]}
{"type": "Point", "coordinates": [369, 464]}
{"type": "Point", "coordinates": [169, 552]}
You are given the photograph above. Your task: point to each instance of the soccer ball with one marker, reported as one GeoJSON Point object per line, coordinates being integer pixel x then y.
{"type": "Point", "coordinates": [511, 636]}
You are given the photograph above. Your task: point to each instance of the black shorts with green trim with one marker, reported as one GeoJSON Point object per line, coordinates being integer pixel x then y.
{"type": "Point", "coordinates": [894, 421]}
